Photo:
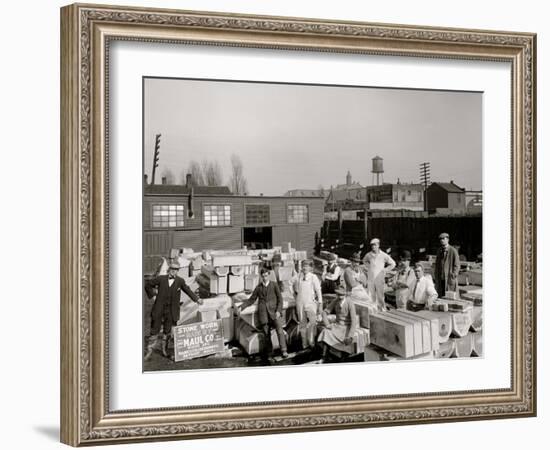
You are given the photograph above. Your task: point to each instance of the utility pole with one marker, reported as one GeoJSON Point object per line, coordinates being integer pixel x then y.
{"type": "Point", "coordinates": [425, 180]}
{"type": "Point", "coordinates": [155, 157]}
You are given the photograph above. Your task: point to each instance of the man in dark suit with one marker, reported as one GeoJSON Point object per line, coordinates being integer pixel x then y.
{"type": "Point", "coordinates": [166, 309]}
{"type": "Point", "coordinates": [270, 312]}
{"type": "Point", "coordinates": [447, 266]}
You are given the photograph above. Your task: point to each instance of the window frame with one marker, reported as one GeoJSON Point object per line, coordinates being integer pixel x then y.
{"type": "Point", "coordinates": [263, 224]}
{"type": "Point", "coordinates": [288, 205]}
{"type": "Point", "coordinates": [204, 208]}
{"type": "Point", "coordinates": [168, 227]}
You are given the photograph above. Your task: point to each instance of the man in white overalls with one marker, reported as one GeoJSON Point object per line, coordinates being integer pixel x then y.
{"type": "Point", "coordinates": [377, 263]}
{"type": "Point", "coordinates": [309, 303]}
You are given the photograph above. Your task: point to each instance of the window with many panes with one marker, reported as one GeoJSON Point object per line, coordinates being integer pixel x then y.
{"type": "Point", "coordinates": [165, 216]}
{"type": "Point", "coordinates": [297, 214]}
{"type": "Point", "coordinates": [257, 214]}
{"type": "Point", "coordinates": [217, 215]}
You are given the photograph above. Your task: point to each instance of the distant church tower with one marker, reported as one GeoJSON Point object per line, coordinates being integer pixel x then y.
{"type": "Point", "coordinates": [348, 179]}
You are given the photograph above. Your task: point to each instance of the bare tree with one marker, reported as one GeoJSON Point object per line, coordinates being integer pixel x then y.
{"type": "Point", "coordinates": [169, 175]}
{"type": "Point", "coordinates": [237, 182]}
{"type": "Point", "coordinates": [195, 169]}
{"type": "Point", "coordinates": [321, 191]}
{"type": "Point", "coordinates": [212, 173]}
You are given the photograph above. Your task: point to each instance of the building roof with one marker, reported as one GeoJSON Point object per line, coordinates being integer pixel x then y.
{"type": "Point", "coordinates": [449, 187]}
{"type": "Point", "coordinates": [178, 189]}
{"type": "Point", "coordinates": [354, 185]}
{"type": "Point", "coordinates": [306, 193]}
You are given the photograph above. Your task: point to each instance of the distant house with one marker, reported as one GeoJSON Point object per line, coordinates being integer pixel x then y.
{"type": "Point", "coordinates": [393, 196]}
{"type": "Point", "coordinates": [446, 198]}
{"type": "Point", "coordinates": [387, 196]}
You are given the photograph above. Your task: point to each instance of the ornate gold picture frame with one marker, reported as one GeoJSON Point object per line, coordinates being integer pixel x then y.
{"type": "Point", "coordinates": [87, 32]}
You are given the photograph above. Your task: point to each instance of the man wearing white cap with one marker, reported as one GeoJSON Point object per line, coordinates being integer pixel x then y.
{"type": "Point", "coordinates": [309, 303]}
{"type": "Point", "coordinates": [377, 263]}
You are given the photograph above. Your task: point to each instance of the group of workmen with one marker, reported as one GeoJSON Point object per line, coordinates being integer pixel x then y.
{"type": "Point", "coordinates": [364, 280]}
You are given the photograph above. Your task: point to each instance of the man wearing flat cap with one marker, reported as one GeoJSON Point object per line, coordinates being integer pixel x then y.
{"type": "Point", "coordinates": [377, 263]}
{"type": "Point", "coordinates": [447, 265]}
{"type": "Point", "coordinates": [166, 309]}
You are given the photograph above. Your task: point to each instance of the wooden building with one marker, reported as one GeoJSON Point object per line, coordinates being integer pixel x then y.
{"type": "Point", "coordinates": [446, 198]}
{"type": "Point", "coordinates": [202, 218]}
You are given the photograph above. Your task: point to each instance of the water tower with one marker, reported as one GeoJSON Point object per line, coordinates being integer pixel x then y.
{"type": "Point", "coordinates": [377, 169]}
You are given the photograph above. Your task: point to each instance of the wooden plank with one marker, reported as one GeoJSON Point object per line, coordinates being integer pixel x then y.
{"type": "Point", "coordinates": [417, 330]}
{"type": "Point", "coordinates": [392, 334]}
{"type": "Point", "coordinates": [426, 329]}
{"type": "Point", "coordinates": [445, 324]}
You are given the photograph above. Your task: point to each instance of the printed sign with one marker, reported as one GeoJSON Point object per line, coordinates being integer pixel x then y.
{"type": "Point", "coordinates": [198, 339]}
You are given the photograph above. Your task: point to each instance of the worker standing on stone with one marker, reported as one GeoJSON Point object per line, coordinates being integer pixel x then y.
{"type": "Point", "coordinates": [423, 293]}
{"type": "Point", "coordinates": [309, 303]}
{"type": "Point", "coordinates": [447, 266]}
{"type": "Point", "coordinates": [404, 281]}
{"type": "Point", "coordinates": [331, 279]}
{"type": "Point", "coordinates": [166, 309]}
{"type": "Point", "coordinates": [270, 312]}
{"type": "Point", "coordinates": [377, 264]}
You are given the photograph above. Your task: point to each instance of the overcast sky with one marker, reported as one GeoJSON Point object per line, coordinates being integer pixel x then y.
{"type": "Point", "coordinates": [299, 136]}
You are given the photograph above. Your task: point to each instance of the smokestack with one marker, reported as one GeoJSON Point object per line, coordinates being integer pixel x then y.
{"type": "Point", "coordinates": [163, 180]}
{"type": "Point", "coordinates": [145, 178]}
{"type": "Point", "coordinates": [189, 180]}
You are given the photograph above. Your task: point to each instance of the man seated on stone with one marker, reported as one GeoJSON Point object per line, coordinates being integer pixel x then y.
{"type": "Point", "coordinates": [423, 293]}
{"type": "Point", "coordinates": [337, 335]}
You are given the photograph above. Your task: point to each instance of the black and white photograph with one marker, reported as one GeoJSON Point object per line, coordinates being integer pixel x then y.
{"type": "Point", "coordinates": [290, 224]}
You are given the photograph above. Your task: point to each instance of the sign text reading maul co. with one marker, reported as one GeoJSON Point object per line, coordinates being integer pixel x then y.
{"type": "Point", "coordinates": [198, 339]}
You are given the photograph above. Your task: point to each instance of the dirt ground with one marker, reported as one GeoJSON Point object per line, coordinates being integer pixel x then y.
{"type": "Point", "coordinates": [239, 359]}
